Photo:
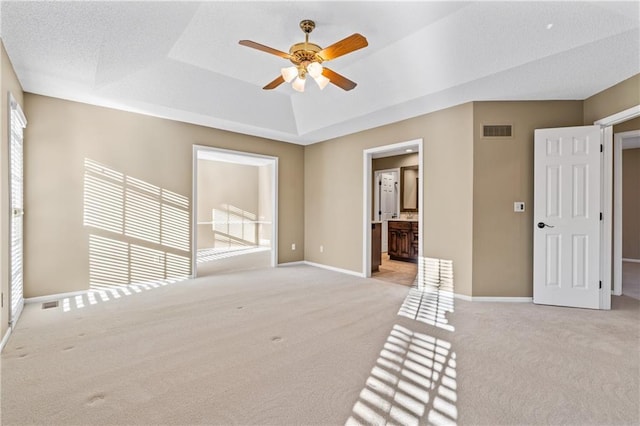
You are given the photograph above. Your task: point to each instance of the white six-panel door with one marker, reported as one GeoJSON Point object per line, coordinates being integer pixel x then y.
{"type": "Point", "coordinates": [566, 234]}
{"type": "Point", "coordinates": [386, 201]}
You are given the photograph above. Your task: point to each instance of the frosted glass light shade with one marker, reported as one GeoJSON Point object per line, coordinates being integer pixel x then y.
{"type": "Point", "coordinates": [289, 73]}
{"type": "Point", "coordinates": [314, 69]}
{"type": "Point", "coordinates": [322, 81]}
{"type": "Point", "coordinates": [298, 84]}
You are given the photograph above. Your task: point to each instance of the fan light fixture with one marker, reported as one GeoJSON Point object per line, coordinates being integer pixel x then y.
{"type": "Point", "coordinates": [307, 59]}
{"type": "Point", "coordinates": [314, 69]}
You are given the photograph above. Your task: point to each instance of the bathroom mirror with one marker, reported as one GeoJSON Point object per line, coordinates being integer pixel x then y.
{"type": "Point", "coordinates": [409, 189]}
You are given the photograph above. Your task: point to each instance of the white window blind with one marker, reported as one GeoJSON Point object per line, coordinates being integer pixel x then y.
{"type": "Point", "coordinates": [18, 123]}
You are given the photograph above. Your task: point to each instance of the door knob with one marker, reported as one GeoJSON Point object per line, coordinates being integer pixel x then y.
{"type": "Point", "coordinates": [542, 225]}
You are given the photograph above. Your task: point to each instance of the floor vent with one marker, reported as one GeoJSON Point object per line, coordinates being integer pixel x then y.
{"type": "Point", "coordinates": [497, 131]}
{"type": "Point", "coordinates": [49, 305]}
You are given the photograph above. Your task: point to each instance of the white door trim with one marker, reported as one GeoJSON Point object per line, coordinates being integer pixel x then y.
{"type": "Point", "coordinates": [367, 157]}
{"type": "Point", "coordinates": [620, 117]}
{"type": "Point", "coordinates": [618, 142]}
{"type": "Point", "coordinates": [607, 207]}
{"type": "Point", "coordinates": [194, 200]}
{"type": "Point", "coordinates": [606, 197]}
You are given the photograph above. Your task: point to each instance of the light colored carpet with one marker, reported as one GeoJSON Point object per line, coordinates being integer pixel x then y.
{"type": "Point", "coordinates": [301, 345]}
{"type": "Point", "coordinates": [224, 260]}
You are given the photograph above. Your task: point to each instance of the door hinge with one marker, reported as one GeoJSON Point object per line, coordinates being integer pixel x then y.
{"type": "Point", "coordinates": [601, 147]}
{"type": "Point", "coordinates": [380, 183]}
{"type": "Point", "coordinates": [600, 215]}
{"type": "Point", "coordinates": [600, 284]}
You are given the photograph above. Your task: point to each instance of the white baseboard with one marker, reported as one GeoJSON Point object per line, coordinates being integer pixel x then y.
{"type": "Point", "coordinates": [504, 299]}
{"type": "Point", "coordinates": [631, 260]}
{"type": "Point", "coordinates": [52, 297]}
{"type": "Point", "coordinates": [332, 268]}
{"type": "Point", "coordinates": [299, 262]}
{"type": "Point", "coordinates": [5, 339]}
{"type": "Point", "coordinates": [463, 297]}
{"type": "Point", "coordinates": [493, 299]}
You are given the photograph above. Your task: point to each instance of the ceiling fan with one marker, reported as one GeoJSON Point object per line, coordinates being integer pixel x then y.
{"type": "Point", "coordinates": [308, 57]}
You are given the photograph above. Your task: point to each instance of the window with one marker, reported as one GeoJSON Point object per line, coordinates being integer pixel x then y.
{"type": "Point", "coordinates": [17, 123]}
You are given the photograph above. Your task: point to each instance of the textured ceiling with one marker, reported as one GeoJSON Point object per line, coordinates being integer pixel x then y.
{"type": "Point", "coordinates": [182, 60]}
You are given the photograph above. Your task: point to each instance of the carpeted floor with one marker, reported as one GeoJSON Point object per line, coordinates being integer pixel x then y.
{"type": "Point", "coordinates": [301, 345]}
{"type": "Point", "coordinates": [225, 260]}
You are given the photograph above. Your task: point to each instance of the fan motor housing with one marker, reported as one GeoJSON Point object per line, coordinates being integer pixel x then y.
{"type": "Point", "coordinates": [304, 52]}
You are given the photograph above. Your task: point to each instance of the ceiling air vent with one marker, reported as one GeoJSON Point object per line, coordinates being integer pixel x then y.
{"type": "Point", "coordinates": [497, 131]}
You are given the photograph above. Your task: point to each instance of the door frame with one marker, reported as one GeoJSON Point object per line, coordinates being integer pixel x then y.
{"type": "Point", "coordinates": [194, 199]}
{"type": "Point", "coordinates": [606, 125]}
{"type": "Point", "coordinates": [367, 204]}
{"type": "Point", "coordinates": [618, 142]}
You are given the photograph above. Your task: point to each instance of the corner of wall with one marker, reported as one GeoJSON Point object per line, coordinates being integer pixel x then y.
{"type": "Point", "coordinates": [614, 99]}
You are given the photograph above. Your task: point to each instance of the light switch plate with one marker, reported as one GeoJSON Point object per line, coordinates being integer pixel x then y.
{"type": "Point", "coordinates": [518, 206]}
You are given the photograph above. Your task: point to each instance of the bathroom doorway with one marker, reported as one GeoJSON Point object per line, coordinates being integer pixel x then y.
{"type": "Point", "coordinates": [392, 228]}
{"type": "Point", "coordinates": [234, 211]}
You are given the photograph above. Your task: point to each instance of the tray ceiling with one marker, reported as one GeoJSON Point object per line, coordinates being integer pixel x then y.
{"type": "Point", "coordinates": [181, 60]}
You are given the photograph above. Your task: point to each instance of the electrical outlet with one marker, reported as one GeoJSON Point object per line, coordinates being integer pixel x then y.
{"type": "Point", "coordinates": [518, 206]}
{"type": "Point", "coordinates": [293, 246]}
{"type": "Point", "coordinates": [321, 249]}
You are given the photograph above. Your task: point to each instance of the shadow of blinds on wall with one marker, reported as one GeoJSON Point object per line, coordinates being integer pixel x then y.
{"type": "Point", "coordinates": [18, 123]}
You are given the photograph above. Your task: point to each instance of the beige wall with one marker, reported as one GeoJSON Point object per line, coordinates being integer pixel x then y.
{"type": "Point", "coordinates": [320, 186]}
{"type": "Point", "coordinates": [9, 84]}
{"type": "Point", "coordinates": [222, 185]}
{"type": "Point", "coordinates": [265, 205]}
{"type": "Point", "coordinates": [627, 126]}
{"type": "Point", "coordinates": [334, 191]}
{"type": "Point", "coordinates": [503, 174]}
{"type": "Point", "coordinates": [620, 97]}
{"type": "Point", "coordinates": [631, 204]}
{"type": "Point", "coordinates": [62, 134]}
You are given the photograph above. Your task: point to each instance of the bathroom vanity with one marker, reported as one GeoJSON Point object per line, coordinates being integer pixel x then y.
{"type": "Point", "coordinates": [403, 240]}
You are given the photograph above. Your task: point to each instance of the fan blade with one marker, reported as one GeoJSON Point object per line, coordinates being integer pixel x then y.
{"type": "Point", "coordinates": [275, 83]}
{"type": "Point", "coordinates": [353, 42]}
{"type": "Point", "coordinates": [340, 81]}
{"type": "Point", "coordinates": [264, 48]}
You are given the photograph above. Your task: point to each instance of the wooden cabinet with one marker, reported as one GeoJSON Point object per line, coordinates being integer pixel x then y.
{"type": "Point", "coordinates": [403, 240]}
{"type": "Point", "coordinates": [376, 246]}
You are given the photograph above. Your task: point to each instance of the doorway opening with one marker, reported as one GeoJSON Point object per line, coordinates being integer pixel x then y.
{"type": "Point", "coordinates": [392, 211]}
{"type": "Point", "coordinates": [626, 214]}
{"type": "Point", "coordinates": [234, 217]}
